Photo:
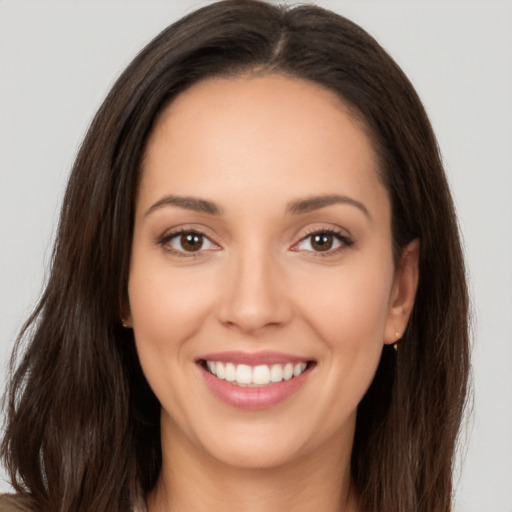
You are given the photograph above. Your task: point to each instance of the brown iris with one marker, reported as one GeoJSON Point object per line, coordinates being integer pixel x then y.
{"type": "Point", "coordinates": [322, 241]}
{"type": "Point", "coordinates": [191, 241]}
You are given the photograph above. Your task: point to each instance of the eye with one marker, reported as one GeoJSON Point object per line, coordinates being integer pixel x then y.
{"type": "Point", "coordinates": [187, 242]}
{"type": "Point", "coordinates": [324, 241]}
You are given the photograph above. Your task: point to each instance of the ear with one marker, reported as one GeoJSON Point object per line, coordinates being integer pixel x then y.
{"type": "Point", "coordinates": [403, 293]}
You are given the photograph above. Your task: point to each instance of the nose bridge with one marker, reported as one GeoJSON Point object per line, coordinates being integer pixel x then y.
{"type": "Point", "coordinates": [255, 292]}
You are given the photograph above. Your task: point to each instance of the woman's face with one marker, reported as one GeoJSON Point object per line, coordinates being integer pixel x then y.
{"type": "Point", "coordinates": [262, 253]}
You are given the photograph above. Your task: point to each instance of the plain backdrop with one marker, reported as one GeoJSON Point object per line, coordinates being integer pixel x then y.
{"type": "Point", "coordinates": [58, 59]}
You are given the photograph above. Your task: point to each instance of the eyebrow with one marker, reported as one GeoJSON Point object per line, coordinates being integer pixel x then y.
{"type": "Point", "coordinates": [316, 202]}
{"type": "Point", "coordinates": [297, 207]}
{"type": "Point", "coordinates": [188, 203]}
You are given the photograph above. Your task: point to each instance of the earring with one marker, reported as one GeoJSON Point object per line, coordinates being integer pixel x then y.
{"type": "Point", "coordinates": [124, 324]}
{"type": "Point", "coordinates": [395, 345]}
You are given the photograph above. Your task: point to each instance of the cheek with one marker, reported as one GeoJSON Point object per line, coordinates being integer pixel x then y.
{"type": "Point", "coordinates": [349, 307]}
{"type": "Point", "coordinates": [344, 311]}
{"type": "Point", "coordinates": [167, 310]}
{"type": "Point", "coordinates": [167, 307]}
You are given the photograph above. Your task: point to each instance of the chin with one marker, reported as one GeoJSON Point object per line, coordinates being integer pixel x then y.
{"type": "Point", "coordinates": [271, 442]}
{"type": "Point", "coordinates": [249, 455]}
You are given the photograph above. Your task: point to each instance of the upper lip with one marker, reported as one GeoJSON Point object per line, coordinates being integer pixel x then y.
{"type": "Point", "coordinates": [253, 358]}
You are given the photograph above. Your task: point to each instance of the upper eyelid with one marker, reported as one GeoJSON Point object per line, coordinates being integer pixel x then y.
{"type": "Point", "coordinates": [344, 238]}
{"type": "Point", "coordinates": [177, 230]}
{"type": "Point", "coordinates": [173, 234]}
{"type": "Point", "coordinates": [326, 229]}
{"type": "Point", "coordinates": [165, 243]}
{"type": "Point", "coordinates": [169, 234]}
{"type": "Point", "coordinates": [335, 230]}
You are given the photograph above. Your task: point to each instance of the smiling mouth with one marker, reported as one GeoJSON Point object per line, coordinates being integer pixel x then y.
{"type": "Point", "coordinates": [262, 375]}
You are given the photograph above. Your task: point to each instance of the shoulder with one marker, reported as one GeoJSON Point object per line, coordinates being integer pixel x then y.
{"type": "Point", "coordinates": [16, 503]}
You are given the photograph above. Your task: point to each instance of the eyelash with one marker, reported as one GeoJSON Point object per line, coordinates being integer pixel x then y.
{"type": "Point", "coordinates": [167, 238]}
{"type": "Point", "coordinates": [344, 240]}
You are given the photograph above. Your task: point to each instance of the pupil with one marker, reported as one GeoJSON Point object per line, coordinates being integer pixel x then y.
{"type": "Point", "coordinates": [322, 242]}
{"type": "Point", "coordinates": [191, 241]}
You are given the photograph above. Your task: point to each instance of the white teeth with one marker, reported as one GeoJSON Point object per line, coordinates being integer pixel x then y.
{"type": "Point", "coordinates": [243, 374]}
{"type": "Point", "coordinates": [276, 373]}
{"type": "Point", "coordinates": [288, 371]}
{"type": "Point", "coordinates": [212, 367]}
{"type": "Point", "coordinates": [261, 375]}
{"type": "Point", "coordinates": [221, 371]}
{"type": "Point", "coordinates": [230, 372]}
{"type": "Point", "coordinates": [299, 368]}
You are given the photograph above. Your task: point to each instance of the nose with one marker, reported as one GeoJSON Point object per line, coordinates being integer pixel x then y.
{"type": "Point", "coordinates": [255, 295]}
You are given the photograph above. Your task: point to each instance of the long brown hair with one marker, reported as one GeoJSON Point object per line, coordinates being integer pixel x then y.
{"type": "Point", "coordinates": [82, 430]}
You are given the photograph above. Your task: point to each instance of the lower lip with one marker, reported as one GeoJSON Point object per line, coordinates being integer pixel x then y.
{"type": "Point", "coordinates": [254, 397]}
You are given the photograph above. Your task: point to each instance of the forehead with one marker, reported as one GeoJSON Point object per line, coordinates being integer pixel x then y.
{"type": "Point", "coordinates": [255, 134]}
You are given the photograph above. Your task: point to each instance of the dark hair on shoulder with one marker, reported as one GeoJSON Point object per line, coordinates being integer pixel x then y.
{"type": "Point", "coordinates": [82, 430]}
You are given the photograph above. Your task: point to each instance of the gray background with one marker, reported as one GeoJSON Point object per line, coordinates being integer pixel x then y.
{"type": "Point", "coordinates": [58, 59]}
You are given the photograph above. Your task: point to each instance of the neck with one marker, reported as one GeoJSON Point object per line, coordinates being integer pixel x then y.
{"type": "Point", "coordinates": [189, 480]}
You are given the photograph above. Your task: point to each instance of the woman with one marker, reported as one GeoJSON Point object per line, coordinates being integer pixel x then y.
{"type": "Point", "coordinates": [257, 297]}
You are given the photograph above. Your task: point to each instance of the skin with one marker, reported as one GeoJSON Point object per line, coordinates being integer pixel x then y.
{"type": "Point", "coordinates": [254, 145]}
